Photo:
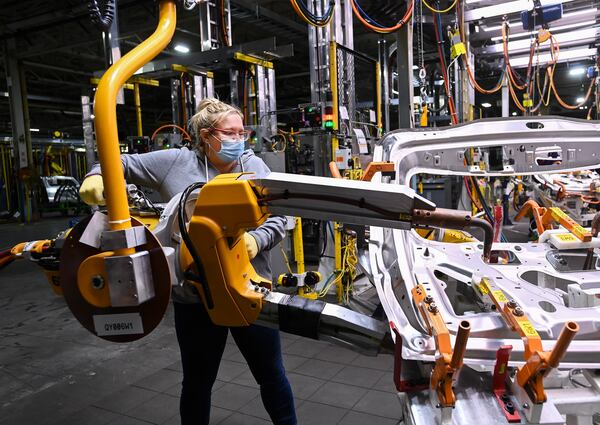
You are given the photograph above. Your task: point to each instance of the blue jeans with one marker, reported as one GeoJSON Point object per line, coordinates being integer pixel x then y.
{"type": "Point", "coordinates": [202, 344]}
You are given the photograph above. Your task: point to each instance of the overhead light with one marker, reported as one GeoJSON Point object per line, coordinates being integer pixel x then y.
{"type": "Point", "coordinates": [497, 8]}
{"type": "Point", "coordinates": [486, 105]}
{"type": "Point", "coordinates": [579, 36]}
{"type": "Point", "coordinates": [415, 67]}
{"type": "Point", "coordinates": [577, 71]}
{"type": "Point", "coordinates": [514, 114]}
{"type": "Point", "coordinates": [181, 48]}
{"type": "Point", "coordinates": [525, 34]}
{"type": "Point", "coordinates": [564, 56]}
{"type": "Point", "coordinates": [579, 99]}
{"type": "Point", "coordinates": [34, 130]}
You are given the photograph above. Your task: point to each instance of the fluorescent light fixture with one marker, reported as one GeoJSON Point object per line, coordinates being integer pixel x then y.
{"type": "Point", "coordinates": [514, 114]}
{"type": "Point", "coordinates": [34, 130]}
{"type": "Point", "coordinates": [486, 105]}
{"type": "Point", "coordinates": [525, 34]}
{"type": "Point", "coordinates": [565, 55]}
{"type": "Point", "coordinates": [415, 67]}
{"type": "Point", "coordinates": [579, 36]}
{"type": "Point", "coordinates": [181, 48]}
{"type": "Point", "coordinates": [500, 8]}
{"type": "Point", "coordinates": [579, 99]}
{"type": "Point", "coordinates": [577, 71]}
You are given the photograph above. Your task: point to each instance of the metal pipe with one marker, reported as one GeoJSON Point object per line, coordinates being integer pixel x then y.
{"type": "Point", "coordinates": [460, 345]}
{"type": "Point", "coordinates": [458, 220]}
{"type": "Point", "coordinates": [334, 170]}
{"type": "Point", "coordinates": [106, 114]}
{"type": "Point", "coordinates": [589, 258]}
{"type": "Point", "coordinates": [562, 343]}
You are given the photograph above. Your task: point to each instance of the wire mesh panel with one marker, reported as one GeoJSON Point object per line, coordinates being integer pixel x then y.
{"type": "Point", "coordinates": [357, 88]}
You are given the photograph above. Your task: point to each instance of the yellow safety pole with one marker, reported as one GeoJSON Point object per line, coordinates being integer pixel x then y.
{"type": "Point", "coordinates": [298, 246]}
{"type": "Point", "coordinates": [105, 110]}
{"type": "Point", "coordinates": [138, 108]}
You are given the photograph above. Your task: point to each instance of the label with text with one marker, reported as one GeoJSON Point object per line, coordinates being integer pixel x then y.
{"type": "Point", "coordinates": [118, 324]}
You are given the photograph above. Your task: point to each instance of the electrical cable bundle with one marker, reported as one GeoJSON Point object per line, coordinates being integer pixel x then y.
{"type": "Point", "coordinates": [199, 277]}
{"type": "Point", "coordinates": [437, 25]}
{"type": "Point", "coordinates": [102, 17]}
{"type": "Point", "coordinates": [448, 9]}
{"type": "Point", "coordinates": [375, 26]}
{"type": "Point", "coordinates": [224, 31]}
{"type": "Point", "coordinates": [528, 86]}
{"type": "Point", "coordinates": [185, 134]}
{"type": "Point", "coordinates": [309, 17]}
{"type": "Point", "coordinates": [470, 72]}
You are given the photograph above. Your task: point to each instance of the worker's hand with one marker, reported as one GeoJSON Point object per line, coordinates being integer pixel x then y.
{"type": "Point", "coordinates": [92, 190]}
{"type": "Point", "coordinates": [251, 245]}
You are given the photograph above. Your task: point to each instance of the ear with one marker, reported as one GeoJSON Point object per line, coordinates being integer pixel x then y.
{"type": "Point", "coordinates": [203, 135]}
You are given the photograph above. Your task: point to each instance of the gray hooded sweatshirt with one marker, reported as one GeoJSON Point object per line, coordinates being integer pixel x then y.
{"type": "Point", "coordinates": [170, 171]}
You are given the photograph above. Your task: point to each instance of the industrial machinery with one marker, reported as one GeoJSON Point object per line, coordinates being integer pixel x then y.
{"type": "Point", "coordinates": [577, 193]}
{"type": "Point", "coordinates": [542, 294]}
{"type": "Point", "coordinates": [451, 307]}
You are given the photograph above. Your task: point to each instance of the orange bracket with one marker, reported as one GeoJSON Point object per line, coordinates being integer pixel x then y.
{"type": "Point", "coordinates": [544, 217]}
{"type": "Point", "coordinates": [448, 361]}
{"type": "Point", "coordinates": [377, 167]}
{"type": "Point", "coordinates": [537, 361]}
{"type": "Point", "coordinates": [372, 168]}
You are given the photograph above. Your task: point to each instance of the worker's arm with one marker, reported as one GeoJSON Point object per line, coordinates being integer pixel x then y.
{"type": "Point", "coordinates": [270, 233]}
{"type": "Point", "coordinates": [148, 169]}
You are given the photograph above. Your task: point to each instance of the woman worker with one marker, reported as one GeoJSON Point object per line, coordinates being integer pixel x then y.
{"type": "Point", "coordinates": [219, 129]}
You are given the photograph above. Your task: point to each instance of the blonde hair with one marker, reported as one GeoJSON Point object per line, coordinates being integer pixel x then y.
{"type": "Point", "coordinates": [210, 111]}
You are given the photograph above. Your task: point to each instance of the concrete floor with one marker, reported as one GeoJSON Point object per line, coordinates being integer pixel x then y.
{"type": "Point", "coordinates": [52, 371]}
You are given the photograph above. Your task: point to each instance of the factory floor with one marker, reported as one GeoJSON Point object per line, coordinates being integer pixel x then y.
{"type": "Point", "coordinates": [52, 371]}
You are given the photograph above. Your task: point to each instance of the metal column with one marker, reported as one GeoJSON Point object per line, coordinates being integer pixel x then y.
{"type": "Point", "coordinates": [19, 117]}
{"type": "Point", "coordinates": [88, 132]}
{"type": "Point", "coordinates": [203, 87]}
{"type": "Point", "coordinates": [265, 93]}
{"type": "Point", "coordinates": [505, 99]}
{"type": "Point", "coordinates": [209, 27]}
{"type": "Point", "coordinates": [404, 43]}
{"type": "Point", "coordinates": [318, 57]}
{"type": "Point", "coordinates": [385, 82]}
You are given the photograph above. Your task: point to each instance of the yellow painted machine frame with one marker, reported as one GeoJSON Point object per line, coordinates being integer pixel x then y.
{"type": "Point", "coordinates": [225, 208]}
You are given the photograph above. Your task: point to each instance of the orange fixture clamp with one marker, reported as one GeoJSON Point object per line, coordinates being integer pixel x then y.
{"type": "Point", "coordinates": [448, 361]}
{"type": "Point", "coordinates": [537, 361]}
{"type": "Point", "coordinates": [544, 217]}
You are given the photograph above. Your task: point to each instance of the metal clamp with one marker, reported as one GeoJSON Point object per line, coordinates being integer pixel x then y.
{"type": "Point", "coordinates": [130, 279]}
{"type": "Point", "coordinates": [448, 361]}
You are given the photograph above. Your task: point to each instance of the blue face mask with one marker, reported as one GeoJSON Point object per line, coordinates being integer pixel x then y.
{"type": "Point", "coordinates": [230, 151]}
